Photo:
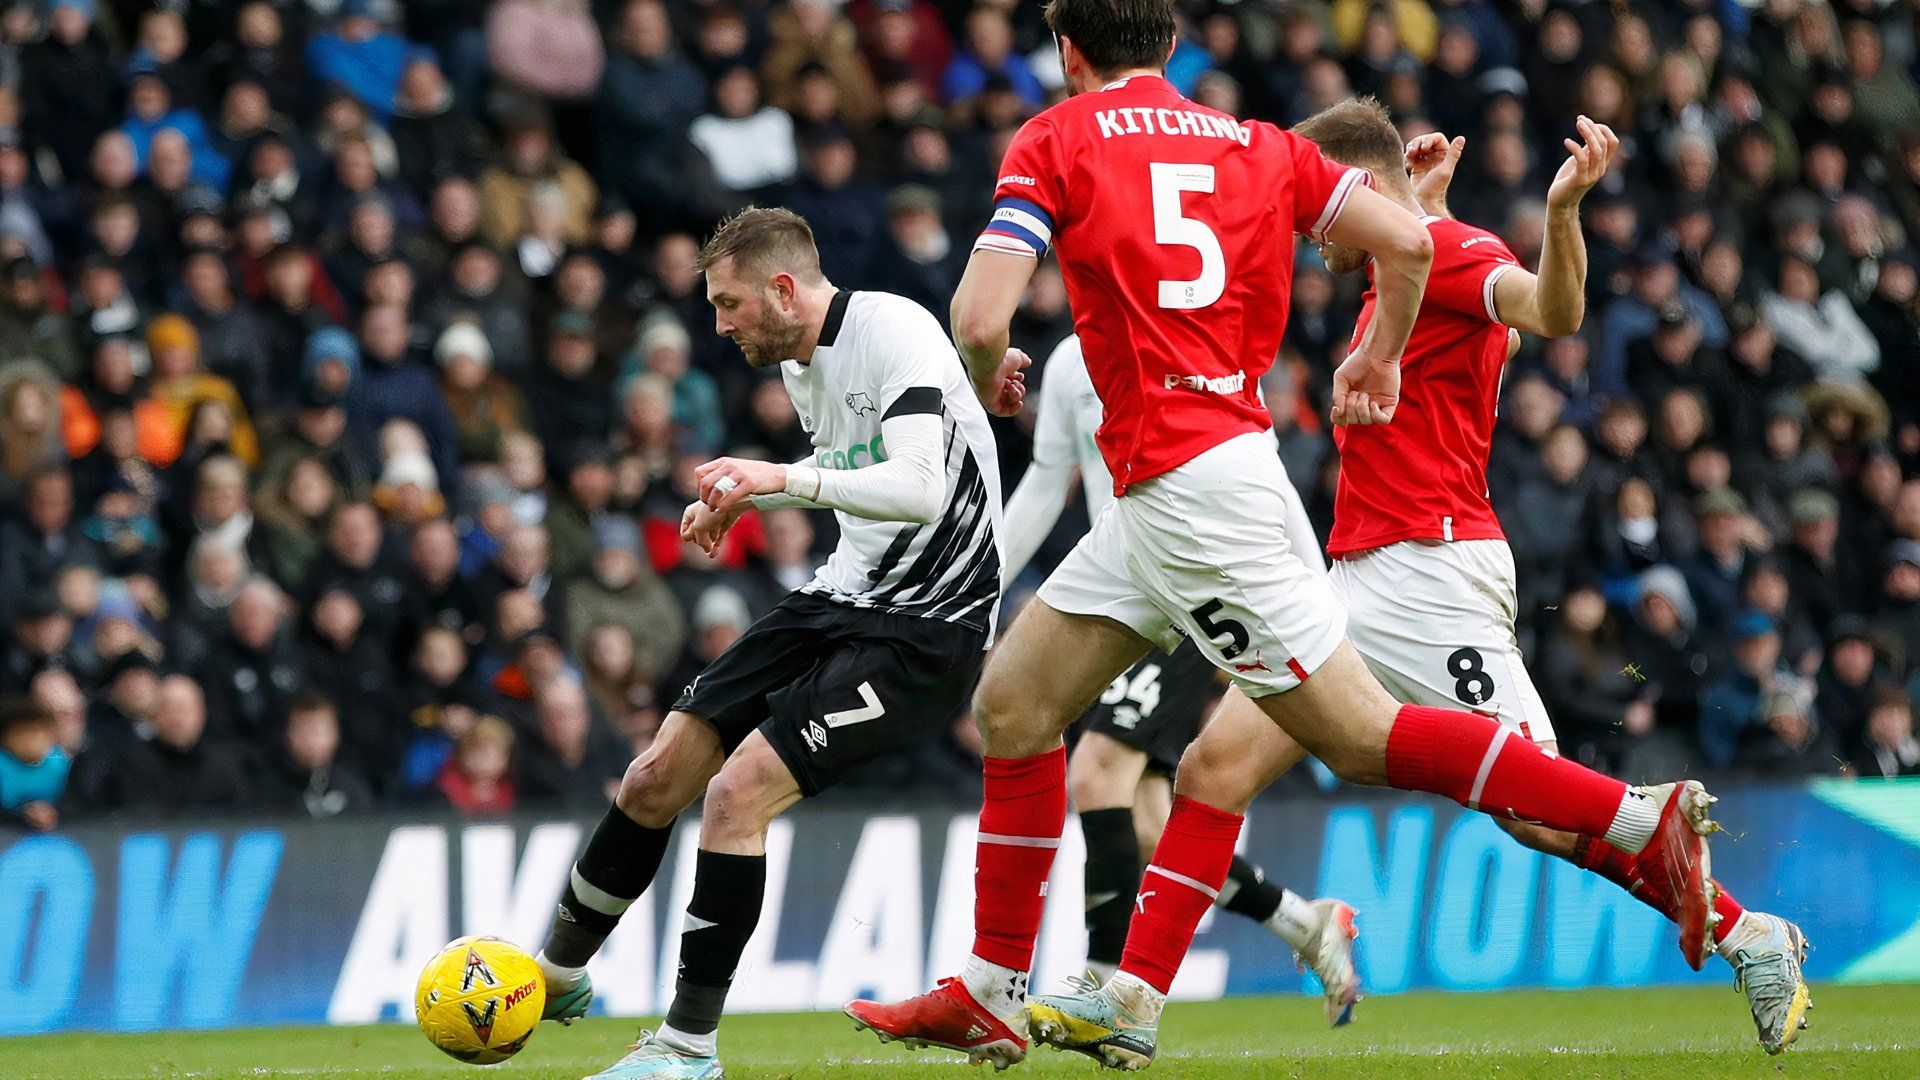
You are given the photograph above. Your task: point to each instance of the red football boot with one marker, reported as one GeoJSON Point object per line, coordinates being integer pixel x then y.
{"type": "Point", "coordinates": [947, 1017]}
{"type": "Point", "coordinates": [1677, 868]}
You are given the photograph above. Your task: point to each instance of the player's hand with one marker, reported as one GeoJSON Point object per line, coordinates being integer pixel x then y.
{"type": "Point", "coordinates": [724, 482]}
{"type": "Point", "coordinates": [706, 527]}
{"type": "Point", "coordinates": [1585, 167]}
{"type": "Point", "coordinates": [1004, 391]}
{"type": "Point", "coordinates": [1431, 160]}
{"type": "Point", "coordinates": [1365, 390]}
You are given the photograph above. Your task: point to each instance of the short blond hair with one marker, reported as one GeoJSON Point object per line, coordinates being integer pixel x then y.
{"type": "Point", "coordinates": [766, 239]}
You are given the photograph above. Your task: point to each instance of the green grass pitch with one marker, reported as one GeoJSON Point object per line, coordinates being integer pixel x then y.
{"type": "Point", "coordinates": [1858, 1032]}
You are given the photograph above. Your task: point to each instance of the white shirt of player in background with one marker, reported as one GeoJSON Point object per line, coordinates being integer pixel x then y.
{"type": "Point", "coordinates": [884, 370]}
{"type": "Point", "coordinates": [1069, 414]}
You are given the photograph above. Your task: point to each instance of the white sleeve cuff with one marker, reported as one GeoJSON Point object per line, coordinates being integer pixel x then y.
{"type": "Point", "coordinates": [1486, 289]}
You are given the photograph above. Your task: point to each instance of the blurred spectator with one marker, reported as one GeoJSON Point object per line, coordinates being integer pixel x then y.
{"type": "Point", "coordinates": [648, 97]}
{"type": "Point", "coordinates": [548, 48]}
{"type": "Point", "coordinates": [432, 139]}
{"type": "Point", "coordinates": [621, 590]}
{"type": "Point", "coordinates": [750, 143]}
{"type": "Point", "coordinates": [1715, 571]}
{"type": "Point", "coordinates": [1788, 739]}
{"type": "Point", "coordinates": [1888, 748]}
{"type": "Point", "coordinates": [178, 770]}
{"type": "Point", "coordinates": [577, 760]}
{"type": "Point", "coordinates": [987, 53]}
{"type": "Point", "coordinates": [33, 767]}
{"type": "Point", "coordinates": [68, 86]}
{"type": "Point", "coordinates": [310, 778]}
{"type": "Point", "coordinates": [812, 36]}
{"type": "Point", "coordinates": [45, 538]}
{"type": "Point", "coordinates": [89, 752]}
{"type": "Point", "coordinates": [478, 288]}
{"type": "Point", "coordinates": [530, 165]}
{"type": "Point", "coordinates": [664, 349]}
{"type": "Point", "coordinates": [359, 55]}
{"type": "Point", "coordinates": [568, 399]}
{"type": "Point", "coordinates": [477, 777]}
{"type": "Point", "coordinates": [31, 328]}
{"type": "Point", "coordinates": [1732, 704]}
{"type": "Point", "coordinates": [395, 384]}
{"type": "Point", "coordinates": [251, 671]}
{"type": "Point", "coordinates": [1824, 328]}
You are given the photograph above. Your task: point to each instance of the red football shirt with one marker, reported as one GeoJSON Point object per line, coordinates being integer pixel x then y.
{"type": "Point", "coordinates": [1424, 476]}
{"type": "Point", "coordinates": [1174, 224]}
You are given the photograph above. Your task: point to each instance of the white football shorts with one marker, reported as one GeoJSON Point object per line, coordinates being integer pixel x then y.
{"type": "Point", "coordinates": [1435, 623]}
{"type": "Point", "coordinates": [1202, 552]}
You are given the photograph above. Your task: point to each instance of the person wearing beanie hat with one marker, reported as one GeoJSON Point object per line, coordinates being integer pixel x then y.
{"type": "Point", "coordinates": [179, 386]}
{"type": "Point", "coordinates": [1786, 738]}
{"type": "Point", "coordinates": [409, 489]}
{"type": "Point", "coordinates": [1731, 704]}
{"type": "Point", "coordinates": [664, 348]}
{"type": "Point", "coordinates": [621, 589]}
{"type": "Point", "coordinates": [1825, 585]}
{"type": "Point", "coordinates": [485, 404]}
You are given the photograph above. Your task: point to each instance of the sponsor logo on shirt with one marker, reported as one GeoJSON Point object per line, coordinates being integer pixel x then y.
{"type": "Point", "coordinates": [1225, 384]}
{"type": "Point", "coordinates": [1016, 178]}
{"type": "Point", "coordinates": [1472, 240]}
{"type": "Point", "coordinates": [873, 451]}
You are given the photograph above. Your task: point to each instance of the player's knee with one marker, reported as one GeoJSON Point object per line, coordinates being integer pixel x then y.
{"type": "Point", "coordinates": [648, 795]}
{"type": "Point", "coordinates": [735, 806]}
{"type": "Point", "coordinates": [1011, 727]}
{"type": "Point", "coordinates": [1212, 772]}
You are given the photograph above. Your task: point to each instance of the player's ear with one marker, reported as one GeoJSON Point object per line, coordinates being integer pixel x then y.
{"type": "Point", "coordinates": [783, 288]}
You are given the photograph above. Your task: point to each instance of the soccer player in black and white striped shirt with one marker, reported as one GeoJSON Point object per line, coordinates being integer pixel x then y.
{"type": "Point", "coordinates": [880, 649]}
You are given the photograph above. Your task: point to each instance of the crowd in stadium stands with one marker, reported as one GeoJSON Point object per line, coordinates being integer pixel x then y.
{"type": "Point", "coordinates": [353, 364]}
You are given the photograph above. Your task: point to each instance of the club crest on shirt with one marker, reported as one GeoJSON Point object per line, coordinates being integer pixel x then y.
{"type": "Point", "coordinates": [860, 403]}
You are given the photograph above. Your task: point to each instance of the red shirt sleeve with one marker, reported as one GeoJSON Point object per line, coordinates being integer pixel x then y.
{"type": "Point", "coordinates": [1027, 196]}
{"type": "Point", "coordinates": [1466, 264]}
{"type": "Point", "coordinates": [1320, 187]}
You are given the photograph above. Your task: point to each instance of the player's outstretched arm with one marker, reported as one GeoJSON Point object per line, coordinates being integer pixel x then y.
{"type": "Point", "coordinates": [909, 485]}
{"type": "Point", "coordinates": [1431, 160]}
{"type": "Point", "coordinates": [983, 308]}
{"type": "Point", "coordinates": [1366, 388]}
{"type": "Point", "coordinates": [1553, 303]}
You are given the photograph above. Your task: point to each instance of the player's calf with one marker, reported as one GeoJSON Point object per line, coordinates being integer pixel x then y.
{"type": "Point", "coordinates": [623, 856]}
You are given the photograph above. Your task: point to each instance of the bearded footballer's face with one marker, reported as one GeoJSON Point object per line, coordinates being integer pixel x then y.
{"type": "Point", "coordinates": [760, 314]}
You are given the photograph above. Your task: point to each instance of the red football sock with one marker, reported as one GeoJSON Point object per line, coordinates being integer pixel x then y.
{"type": "Point", "coordinates": [1024, 812]}
{"type": "Point", "coordinates": [1729, 911]}
{"type": "Point", "coordinates": [1618, 867]}
{"type": "Point", "coordinates": [1189, 866]}
{"type": "Point", "coordinates": [1482, 765]}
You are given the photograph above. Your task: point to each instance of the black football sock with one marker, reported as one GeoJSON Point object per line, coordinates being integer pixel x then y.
{"type": "Point", "coordinates": [1112, 878]}
{"type": "Point", "coordinates": [621, 860]}
{"type": "Point", "coordinates": [720, 918]}
{"type": "Point", "coordinates": [1248, 892]}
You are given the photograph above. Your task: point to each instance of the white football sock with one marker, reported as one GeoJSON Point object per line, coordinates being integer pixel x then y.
{"type": "Point", "coordinates": [1001, 989]}
{"type": "Point", "coordinates": [1137, 996]}
{"type": "Point", "coordinates": [561, 978]}
{"type": "Point", "coordinates": [1747, 932]}
{"type": "Point", "coordinates": [1294, 921]}
{"type": "Point", "coordinates": [691, 1045]}
{"type": "Point", "coordinates": [1633, 825]}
